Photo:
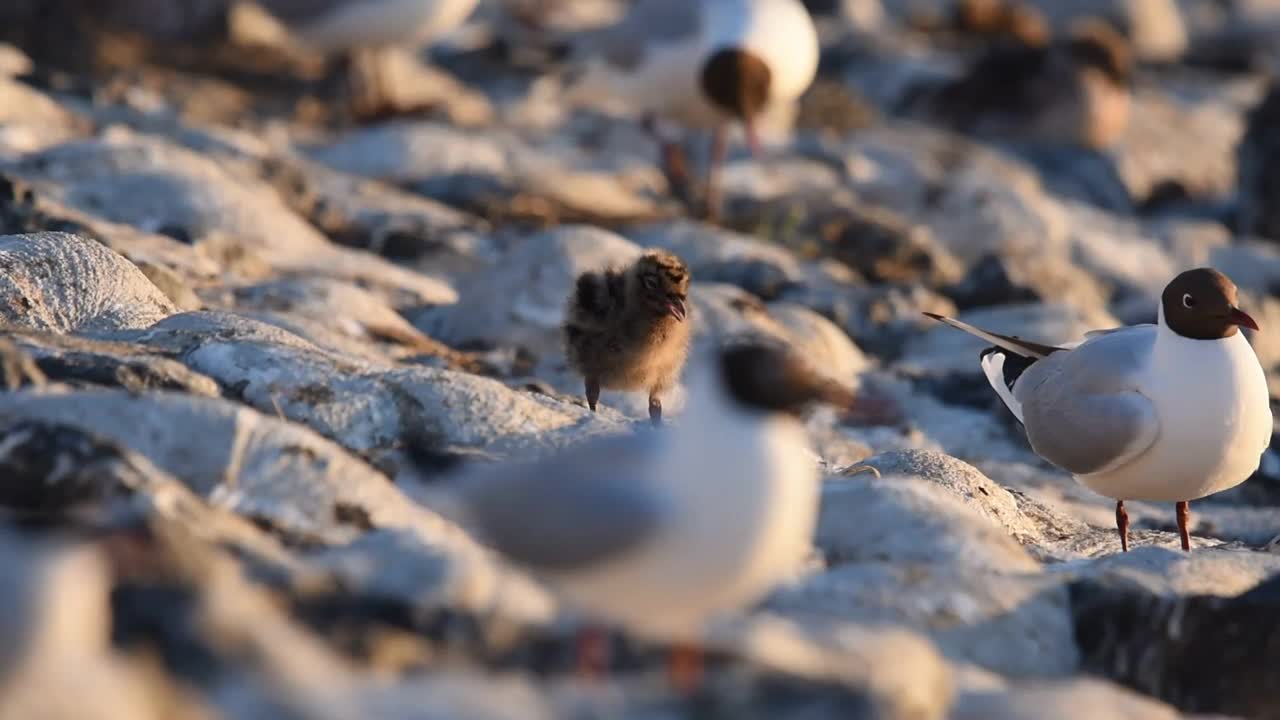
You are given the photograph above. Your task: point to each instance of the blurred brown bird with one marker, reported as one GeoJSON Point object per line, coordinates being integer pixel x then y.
{"type": "Point", "coordinates": [1075, 90]}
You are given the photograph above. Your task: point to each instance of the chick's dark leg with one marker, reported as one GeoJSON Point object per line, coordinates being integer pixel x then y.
{"type": "Point", "coordinates": [1184, 517]}
{"type": "Point", "coordinates": [1122, 524]}
{"type": "Point", "coordinates": [593, 393]}
{"type": "Point", "coordinates": [655, 409]}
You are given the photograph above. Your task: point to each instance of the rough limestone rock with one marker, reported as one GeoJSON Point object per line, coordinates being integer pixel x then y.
{"type": "Point", "coordinates": [368, 406]}
{"type": "Point", "coordinates": [1202, 653]}
{"type": "Point", "coordinates": [61, 282]}
{"type": "Point", "coordinates": [30, 121]}
{"type": "Point", "coordinates": [965, 482]}
{"type": "Point", "coordinates": [278, 473]}
{"type": "Point", "coordinates": [160, 187]}
{"type": "Point", "coordinates": [902, 519]}
{"type": "Point", "coordinates": [522, 300]}
{"type": "Point", "coordinates": [975, 201]}
{"type": "Point", "coordinates": [921, 686]}
{"type": "Point", "coordinates": [1063, 700]}
{"type": "Point", "coordinates": [716, 255]}
{"type": "Point", "coordinates": [1164, 571]}
{"type": "Point", "coordinates": [1017, 625]}
{"type": "Point", "coordinates": [339, 306]}
{"type": "Point", "coordinates": [477, 170]}
{"type": "Point", "coordinates": [82, 361]}
{"type": "Point", "coordinates": [57, 637]}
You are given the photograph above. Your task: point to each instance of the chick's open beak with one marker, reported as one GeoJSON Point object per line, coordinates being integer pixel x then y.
{"type": "Point", "coordinates": [677, 308]}
{"type": "Point", "coordinates": [1241, 318]}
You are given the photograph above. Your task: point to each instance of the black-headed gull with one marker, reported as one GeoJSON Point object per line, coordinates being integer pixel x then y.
{"type": "Point", "coordinates": [352, 26]}
{"type": "Point", "coordinates": [705, 64]}
{"type": "Point", "coordinates": [1167, 412]}
{"type": "Point", "coordinates": [664, 530]}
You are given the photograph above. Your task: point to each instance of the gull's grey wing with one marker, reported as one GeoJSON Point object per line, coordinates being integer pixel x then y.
{"type": "Point", "coordinates": [1108, 331]}
{"type": "Point", "coordinates": [303, 11]}
{"type": "Point", "coordinates": [647, 27]}
{"type": "Point", "coordinates": [1083, 408]}
{"type": "Point", "coordinates": [574, 510]}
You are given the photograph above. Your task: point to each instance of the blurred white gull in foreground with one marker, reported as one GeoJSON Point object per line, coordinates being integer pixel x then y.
{"type": "Point", "coordinates": [664, 530]}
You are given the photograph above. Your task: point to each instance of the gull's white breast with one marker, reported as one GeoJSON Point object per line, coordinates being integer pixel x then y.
{"type": "Point", "coordinates": [746, 495]}
{"type": "Point", "coordinates": [1213, 406]}
{"type": "Point", "coordinates": [383, 22]}
{"type": "Point", "coordinates": [669, 81]}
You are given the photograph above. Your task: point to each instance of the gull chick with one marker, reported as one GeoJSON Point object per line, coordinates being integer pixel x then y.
{"type": "Point", "coordinates": [1170, 412]}
{"type": "Point", "coordinates": [705, 65]}
{"type": "Point", "coordinates": [629, 329]}
{"type": "Point", "coordinates": [661, 532]}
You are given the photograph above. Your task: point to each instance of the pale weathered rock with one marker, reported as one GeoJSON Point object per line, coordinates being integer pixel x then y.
{"type": "Point", "coordinates": [1065, 700]}
{"type": "Point", "coordinates": [278, 473]}
{"type": "Point", "coordinates": [160, 187]}
{"type": "Point", "coordinates": [921, 686]}
{"type": "Point", "coordinates": [1014, 624]}
{"type": "Point", "coordinates": [57, 281]}
{"type": "Point", "coordinates": [340, 307]}
{"type": "Point", "coordinates": [965, 482]}
{"type": "Point", "coordinates": [75, 360]}
{"type": "Point", "coordinates": [905, 520]}
{"type": "Point", "coordinates": [380, 217]}
{"type": "Point", "coordinates": [368, 406]}
{"type": "Point", "coordinates": [975, 201]}
{"type": "Point", "coordinates": [1169, 572]}
{"type": "Point", "coordinates": [483, 171]}
{"type": "Point", "coordinates": [716, 255]}
{"type": "Point", "coordinates": [1203, 654]}
{"type": "Point", "coordinates": [31, 121]}
{"type": "Point", "coordinates": [57, 660]}
{"type": "Point", "coordinates": [522, 300]}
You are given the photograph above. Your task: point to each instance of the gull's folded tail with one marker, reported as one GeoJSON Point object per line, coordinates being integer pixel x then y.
{"type": "Point", "coordinates": [1003, 364]}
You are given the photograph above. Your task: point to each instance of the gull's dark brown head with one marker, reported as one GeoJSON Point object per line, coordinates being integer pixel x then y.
{"type": "Point", "coordinates": [770, 379]}
{"type": "Point", "coordinates": [1095, 44]}
{"type": "Point", "coordinates": [661, 281]}
{"type": "Point", "coordinates": [1201, 304]}
{"type": "Point", "coordinates": [738, 82]}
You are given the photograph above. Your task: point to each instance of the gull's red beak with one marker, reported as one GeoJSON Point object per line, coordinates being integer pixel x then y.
{"type": "Point", "coordinates": [1241, 318]}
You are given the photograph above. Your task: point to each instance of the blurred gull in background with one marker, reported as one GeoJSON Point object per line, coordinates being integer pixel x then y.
{"type": "Point", "coordinates": [1074, 90]}
{"type": "Point", "coordinates": [706, 64]}
{"type": "Point", "coordinates": [362, 29]}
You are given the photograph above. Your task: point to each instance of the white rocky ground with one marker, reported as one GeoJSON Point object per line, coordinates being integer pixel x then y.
{"type": "Point", "coordinates": [243, 349]}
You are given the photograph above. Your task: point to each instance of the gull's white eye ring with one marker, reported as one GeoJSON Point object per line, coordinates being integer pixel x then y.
{"type": "Point", "coordinates": [1188, 302]}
